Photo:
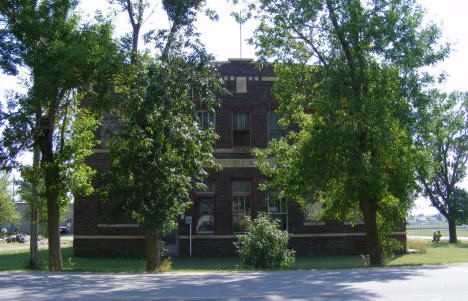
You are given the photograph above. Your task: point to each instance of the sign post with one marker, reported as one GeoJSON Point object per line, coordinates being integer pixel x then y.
{"type": "Point", "coordinates": [188, 220]}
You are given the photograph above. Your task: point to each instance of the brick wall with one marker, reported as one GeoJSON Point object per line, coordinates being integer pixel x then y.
{"type": "Point", "coordinates": [329, 238]}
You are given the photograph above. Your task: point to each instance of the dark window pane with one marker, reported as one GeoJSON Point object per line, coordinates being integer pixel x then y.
{"type": "Point", "coordinates": [241, 120]}
{"type": "Point", "coordinates": [206, 119]}
{"type": "Point", "coordinates": [240, 186]}
{"type": "Point", "coordinates": [241, 129]}
{"type": "Point", "coordinates": [241, 138]}
{"type": "Point", "coordinates": [209, 188]}
{"type": "Point", "coordinates": [240, 205]}
{"type": "Point", "coordinates": [205, 221]}
{"type": "Point", "coordinates": [283, 219]}
{"type": "Point", "coordinates": [275, 131]}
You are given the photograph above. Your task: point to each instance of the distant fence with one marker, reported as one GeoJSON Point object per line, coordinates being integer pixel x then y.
{"type": "Point", "coordinates": [445, 227]}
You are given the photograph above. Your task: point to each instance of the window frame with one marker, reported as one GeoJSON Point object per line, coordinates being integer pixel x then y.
{"type": "Point", "coordinates": [240, 194]}
{"type": "Point", "coordinates": [205, 194]}
{"type": "Point", "coordinates": [269, 128]}
{"type": "Point", "coordinates": [201, 121]}
{"type": "Point", "coordinates": [283, 204]}
{"type": "Point", "coordinates": [311, 222]}
{"type": "Point", "coordinates": [249, 128]}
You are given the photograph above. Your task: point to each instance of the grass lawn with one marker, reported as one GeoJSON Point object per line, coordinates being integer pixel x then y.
{"type": "Point", "coordinates": [441, 253]}
{"type": "Point", "coordinates": [16, 260]}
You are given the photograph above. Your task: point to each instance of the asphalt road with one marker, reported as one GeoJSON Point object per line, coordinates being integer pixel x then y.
{"type": "Point", "coordinates": [445, 282]}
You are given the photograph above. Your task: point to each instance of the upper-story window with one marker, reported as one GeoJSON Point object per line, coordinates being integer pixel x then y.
{"type": "Point", "coordinates": [275, 131]}
{"type": "Point", "coordinates": [241, 129]}
{"type": "Point", "coordinates": [206, 119]}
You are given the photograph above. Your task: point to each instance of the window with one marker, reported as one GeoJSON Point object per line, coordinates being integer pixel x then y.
{"type": "Point", "coordinates": [204, 200]}
{"type": "Point", "coordinates": [310, 214]}
{"type": "Point", "coordinates": [206, 119]}
{"type": "Point", "coordinates": [278, 209]}
{"type": "Point", "coordinates": [275, 131]}
{"type": "Point", "coordinates": [356, 218]}
{"type": "Point", "coordinates": [240, 205]}
{"type": "Point", "coordinates": [240, 129]}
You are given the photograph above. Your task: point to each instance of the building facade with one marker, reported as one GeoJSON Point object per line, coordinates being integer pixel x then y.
{"type": "Point", "coordinates": [245, 120]}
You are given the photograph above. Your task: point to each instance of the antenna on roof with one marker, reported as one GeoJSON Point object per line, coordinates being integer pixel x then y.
{"type": "Point", "coordinates": [240, 35]}
{"type": "Point", "coordinates": [241, 20]}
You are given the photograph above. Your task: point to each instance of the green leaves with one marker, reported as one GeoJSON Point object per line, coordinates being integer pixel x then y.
{"type": "Point", "coordinates": [264, 245]}
{"type": "Point", "coordinates": [355, 67]}
{"type": "Point", "coordinates": [160, 151]}
{"type": "Point", "coordinates": [442, 143]}
{"type": "Point", "coordinates": [8, 212]}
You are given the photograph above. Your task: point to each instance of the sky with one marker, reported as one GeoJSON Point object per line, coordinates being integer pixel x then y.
{"type": "Point", "coordinates": [222, 39]}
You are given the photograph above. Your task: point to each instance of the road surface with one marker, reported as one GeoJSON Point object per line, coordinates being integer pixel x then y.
{"type": "Point", "coordinates": [444, 282]}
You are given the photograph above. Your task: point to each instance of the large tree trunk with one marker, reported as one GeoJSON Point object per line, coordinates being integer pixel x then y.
{"type": "Point", "coordinates": [51, 178]}
{"type": "Point", "coordinates": [33, 247]}
{"type": "Point", "coordinates": [369, 212]}
{"type": "Point", "coordinates": [53, 223]}
{"type": "Point", "coordinates": [153, 254]}
{"type": "Point", "coordinates": [452, 230]}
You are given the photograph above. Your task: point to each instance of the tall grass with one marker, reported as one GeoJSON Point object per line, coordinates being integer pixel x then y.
{"type": "Point", "coordinates": [417, 244]}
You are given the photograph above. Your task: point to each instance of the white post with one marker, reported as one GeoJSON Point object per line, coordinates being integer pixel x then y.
{"type": "Point", "coordinates": [190, 238]}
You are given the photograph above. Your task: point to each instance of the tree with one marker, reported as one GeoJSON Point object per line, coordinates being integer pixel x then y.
{"type": "Point", "coordinates": [357, 67]}
{"type": "Point", "coordinates": [8, 213]}
{"type": "Point", "coordinates": [442, 141]}
{"type": "Point", "coordinates": [29, 192]}
{"type": "Point", "coordinates": [160, 152]}
{"type": "Point", "coordinates": [34, 34]}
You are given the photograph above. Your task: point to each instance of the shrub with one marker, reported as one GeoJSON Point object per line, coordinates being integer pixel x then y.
{"type": "Point", "coordinates": [436, 237]}
{"type": "Point", "coordinates": [264, 245]}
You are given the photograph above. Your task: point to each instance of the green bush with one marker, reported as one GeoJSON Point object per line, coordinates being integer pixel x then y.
{"type": "Point", "coordinates": [264, 245]}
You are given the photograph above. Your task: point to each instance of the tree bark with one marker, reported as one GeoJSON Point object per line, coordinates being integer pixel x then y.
{"type": "Point", "coordinates": [452, 230]}
{"type": "Point", "coordinates": [369, 212]}
{"type": "Point", "coordinates": [135, 36]}
{"type": "Point", "coordinates": [153, 254]}
{"type": "Point", "coordinates": [51, 178]}
{"type": "Point", "coordinates": [33, 246]}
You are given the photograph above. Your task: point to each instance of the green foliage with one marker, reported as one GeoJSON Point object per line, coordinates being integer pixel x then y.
{"type": "Point", "coordinates": [67, 61]}
{"type": "Point", "coordinates": [442, 142]}
{"type": "Point", "coordinates": [357, 67]}
{"type": "Point", "coordinates": [264, 245]}
{"type": "Point", "coordinates": [160, 152]}
{"type": "Point", "coordinates": [8, 213]}
{"type": "Point", "coordinates": [25, 193]}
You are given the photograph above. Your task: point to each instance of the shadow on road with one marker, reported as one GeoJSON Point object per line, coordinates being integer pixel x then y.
{"type": "Point", "coordinates": [290, 285]}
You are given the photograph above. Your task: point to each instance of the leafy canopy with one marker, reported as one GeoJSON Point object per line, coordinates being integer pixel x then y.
{"type": "Point", "coordinates": [8, 213]}
{"type": "Point", "coordinates": [356, 68]}
{"type": "Point", "coordinates": [442, 141]}
{"type": "Point", "coordinates": [160, 151]}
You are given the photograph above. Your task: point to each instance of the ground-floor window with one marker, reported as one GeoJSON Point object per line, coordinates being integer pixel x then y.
{"type": "Point", "coordinates": [311, 214]}
{"type": "Point", "coordinates": [241, 207]}
{"type": "Point", "coordinates": [278, 209]}
{"type": "Point", "coordinates": [204, 200]}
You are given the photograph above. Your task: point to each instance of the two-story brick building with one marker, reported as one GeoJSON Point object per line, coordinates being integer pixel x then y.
{"type": "Point", "coordinates": [245, 120]}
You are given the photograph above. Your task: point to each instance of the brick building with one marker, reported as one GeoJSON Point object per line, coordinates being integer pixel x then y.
{"type": "Point", "coordinates": [245, 120]}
